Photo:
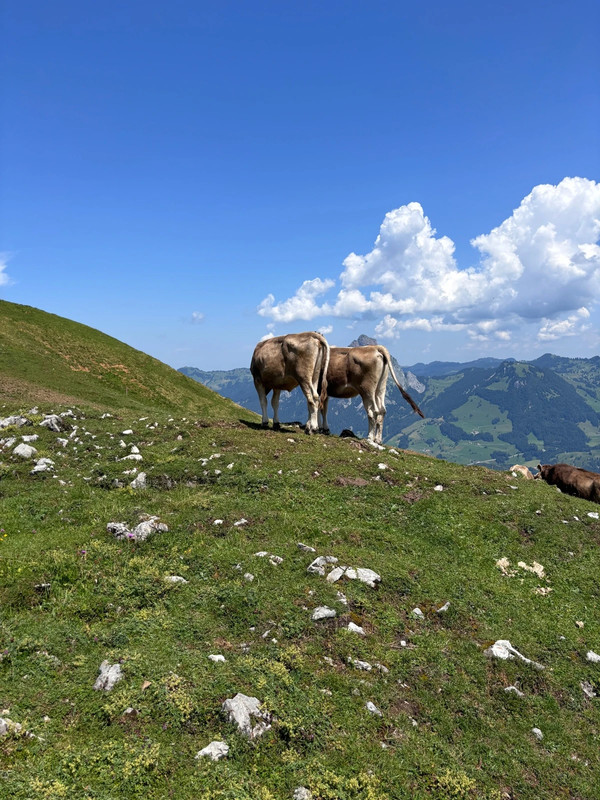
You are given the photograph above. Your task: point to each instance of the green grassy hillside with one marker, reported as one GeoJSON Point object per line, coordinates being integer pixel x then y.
{"type": "Point", "coordinates": [234, 497]}
{"type": "Point", "coordinates": [46, 358]}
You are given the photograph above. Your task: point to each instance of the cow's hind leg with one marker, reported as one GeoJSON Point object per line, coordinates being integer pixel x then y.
{"type": "Point", "coordinates": [379, 412]}
{"type": "Point", "coordinates": [324, 427]}
{"type": "Point", "coordinates": [312, 400]}
{"type": "Point", "coordinates": [275, 404]}
{"type": "Point", "coordinates": [262, 397]}
{"type": "Point", "coordinates": [369, 405]}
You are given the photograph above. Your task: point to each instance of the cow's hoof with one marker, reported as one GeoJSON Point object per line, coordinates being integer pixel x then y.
{"type": "Point", "coordinates": [264, 425]}
{"type": "Point", "coordinates": [276, 426]}
{"type": "Point", "coordinates": [325, 431]}
{"type": "Point", "coordinates": [308, 431]}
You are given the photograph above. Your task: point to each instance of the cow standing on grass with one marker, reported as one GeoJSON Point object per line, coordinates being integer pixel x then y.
{"type": "Point", "coordinates": [363, 371]}
{"type": "Point", "coordinates": [572, 480]}
{"type": "Point", "coordinates": [284, 362]}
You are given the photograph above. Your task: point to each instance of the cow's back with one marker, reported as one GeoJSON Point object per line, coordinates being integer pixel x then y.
{"type": "Point", "coordinates": [573, 480]}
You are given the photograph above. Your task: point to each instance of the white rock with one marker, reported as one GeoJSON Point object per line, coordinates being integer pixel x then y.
{"type": "Point", "coordinates": [317, 567]}
{"type": "Point", "coordinates": [43, 465]}
{"type": "Point", "coordinates": [127, 432]}
{"type": "Point", "coordinates": [175, 579]}
{"type": "Point", "coordinates": [417, 613]}
{"type": "Point", "coordinates": [368, 576]}
{"type": "Point", "coordinates": [248, 576]}
{"type": "Point", "coordinates": [134, 449]}
{"type": "Point", "coordinates": [323, 612]}
{"type": "Point", "coordinates": [514, 690]}
{"type": "Point", "coordinates": [241, 521]}
{"type": "Point", "coordinates": [372, 709]}
{"type": "Point", "coordinates": [593, 657]}
{"type": "Point", "coordinates": [364, 665]}
{"type": "Point", "coordinates": [444, 608]}
{"type": "Point", "coordinates": [382, 466]}
{"type": "Point", "coordinates": [110, 674]}
{"type": "Point", "coordinates": [215, 750]}
{"type": "Point", "coordinates": [593, 514]}
{"type": "Point", "coordinates": [28, 439]}
{"type": "Point", "coordinates": [8, 726]}
{"type": "Point", "coordinates": [24, 451]}
{"type": "Point", "coordinates": [438, 488]}
{"type": "Point", "coordinates": [218, 522]}
{"type": "Point", "coordinates": [504, 650]}
{"type": "Point", "coordinates": [588, 689]}
{"type": "Point", "coordinates": [16, 420]}
{"type": "Point", "coordinates": [240, 709]}
{"type": "Point", "coordinates": [140, 533]}
{"type": "Point", "coordinates": [356, 629]}
{"type": "Point", "coordinates": [302, 793]}
{"type": "Point", "coordinates": [53, 422]}
{"type": "Point", "coordinates": [132, 457]}
{"type": "Point", "coordinates": [217, 658]}
{"type": "Point", "coordinates": [306, 548]}
{"type": "Point", "coordinates": [537, 733]}
{"type": "Point", "coordinates": [139, 482]}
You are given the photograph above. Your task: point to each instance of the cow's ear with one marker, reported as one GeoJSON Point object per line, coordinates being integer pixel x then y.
{"type": "Point", "coordinates": [539, 467]}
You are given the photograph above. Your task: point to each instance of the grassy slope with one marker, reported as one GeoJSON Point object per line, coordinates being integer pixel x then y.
{"type": "Point", "coordinates": [108, 599]}
{"type": "Point", "coordinates": [46, 358]}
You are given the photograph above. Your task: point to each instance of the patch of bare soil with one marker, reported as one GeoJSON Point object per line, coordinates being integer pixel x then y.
{"type": "Point", "coordinates": [350, 481]}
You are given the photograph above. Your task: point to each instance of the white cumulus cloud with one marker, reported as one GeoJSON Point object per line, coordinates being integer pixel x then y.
{"type": "Point", "coordinates": [541, 265]}
{"type": "Point", "coordinates": [197, 317]}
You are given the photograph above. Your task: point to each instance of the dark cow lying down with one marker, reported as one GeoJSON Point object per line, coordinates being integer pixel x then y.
{"type": "Point", "coordinates": [572, 480]}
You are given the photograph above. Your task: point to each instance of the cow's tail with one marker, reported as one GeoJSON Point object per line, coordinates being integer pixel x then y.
{"type": "Point", "coordinates": [404, 393]}
{"type": "Point", "coordinates": [322, 385]}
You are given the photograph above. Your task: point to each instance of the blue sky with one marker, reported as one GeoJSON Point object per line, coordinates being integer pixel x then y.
{"type": "Point", "coordinates": [190, 177]}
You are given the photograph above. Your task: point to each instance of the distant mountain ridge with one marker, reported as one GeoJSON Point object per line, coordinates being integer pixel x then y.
{"type": "Point", "coordinates": [489, 411]}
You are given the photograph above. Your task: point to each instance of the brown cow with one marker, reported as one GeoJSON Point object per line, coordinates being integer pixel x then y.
{"type": "Point", "coordinates": [572, 480]}
{"type": "Point", "coordinates": [284, 362]}
{"type": "Point", "coordinates": [363, 371]}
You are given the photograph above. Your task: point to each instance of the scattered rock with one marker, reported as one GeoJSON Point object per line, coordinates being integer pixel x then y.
{"type": "Point", "coordinates": [140, 533]}
{"type": "Point", "coordinates": [54, 423]}
{"type": "Point", "coordinates": [504, 650]}
{"type": "Point", "coordinates": [175, 579]}
{"type": "Point", "coordinates": [24, 451]}
{"type": "Point", "coordinates": [17, 420]}
{"type": "Point", "coordinates": [588, 689]}
{"type": "Point", "coordinates": [537, 733]}
{"type": "Point", "coordinates": [217, 658]}
{"type": "Point", "coordinates": [514, 690]}
{"type": "Point", "coordinates": [215, 750]}
{"type": "Point", "coordinates": [444, 608]}
{"type": "Point", "coordinates": [139, 482]}
{"type": "Point", "coordinates": [438, 488]}
{"type": "Point", "coordinates": [372, 709]}
{"type": "Point", "coordinates": [368, 576]}
{"type": "Point", "coordinates": [363, 665]}
{"type": "Point", "coordinates": [593, 657]}
{"type": "Point", "coordinates": [356, 629]}
{"type": "Point", "coordinates": [302, 793]}
{"type": "Point", "coordinates": [317, 567]}
{"type": "Point", "coordinates": [323, 612]}
{"type": "Point", "coordinates": [240, 709]}
{"type": "Point", "coordinates": [416, 613]}
{"type": "Point", "coordinates": [42, 465]}
{"type": "Point", "coordinates": [536, 568]}
{"type": "Point", "coordinates": [110, 674]}
{"type": "Point", "coordinates": [306, 548]}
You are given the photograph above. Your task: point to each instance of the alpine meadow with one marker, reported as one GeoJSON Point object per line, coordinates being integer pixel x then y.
{"type": "Point", "coordinates": [340, 621]}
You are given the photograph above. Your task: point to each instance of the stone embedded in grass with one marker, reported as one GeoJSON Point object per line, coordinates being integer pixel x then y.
{"type": "Point", "coordinates": [593, 657]}
{"type": "Point", "coordinates": [443, 609]}
{"type": "Point", "coordinates": [218, 658]}
{"type": "Point", "coordinates": [28, 439]}
{"type": "Point", "coordinates": [438, 488]}
{"type": "Point", "coordinates": [323, 612]}
{"type": "Point", "coordinates": [504, 650]}
{"type": "Point", "coordinates": [514, 690]}
{"type": "Point", "coordinates": [110, 674]}
{"type": "Point", "coordinates": [215, 750]}
{"type": "Point", "coordinates": [241, 708]}
{"type": "Point", "coordinates": [275, 560]}
{"type": "Point", "coordinates": [140, 533]}
{"type": "Point", "coordinates": [306, 548]}
{"type": "Point", "coordinates": [363, 665]}
{"type": "Point", "coordinates": [317, 567]}
{"type": "Point", "coordinates": [588, 689]}
{"type": "Point", "coordinates": [139, 482]}
{"type": "Point", "coordinates": [372, 709]}
{"type": "Point", "coordinates": [24, 451]}
{"type": "Point", "coordinates": [538, 734]}
{"type": "Point", "coordinates": [241, 521]}
{"type": "Point", "coordinates": [353, 628]}
{"type": "Point", "coordinates": [368, 576]}
{"type": "Point", "coordinates": [175, 579]}
{"type": "Point", "coordinates": [54, 423]}
{"type": "Point", "coordinates": [43, 465]}
{"type": "Point", "coordinates": [17, 420]}
{"type": "Point", "coordinates": [132, 457]}
{"type": "Point", "coordinates": [302, 793]}
{"type": "Point", "coordinates": [416, 613]}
